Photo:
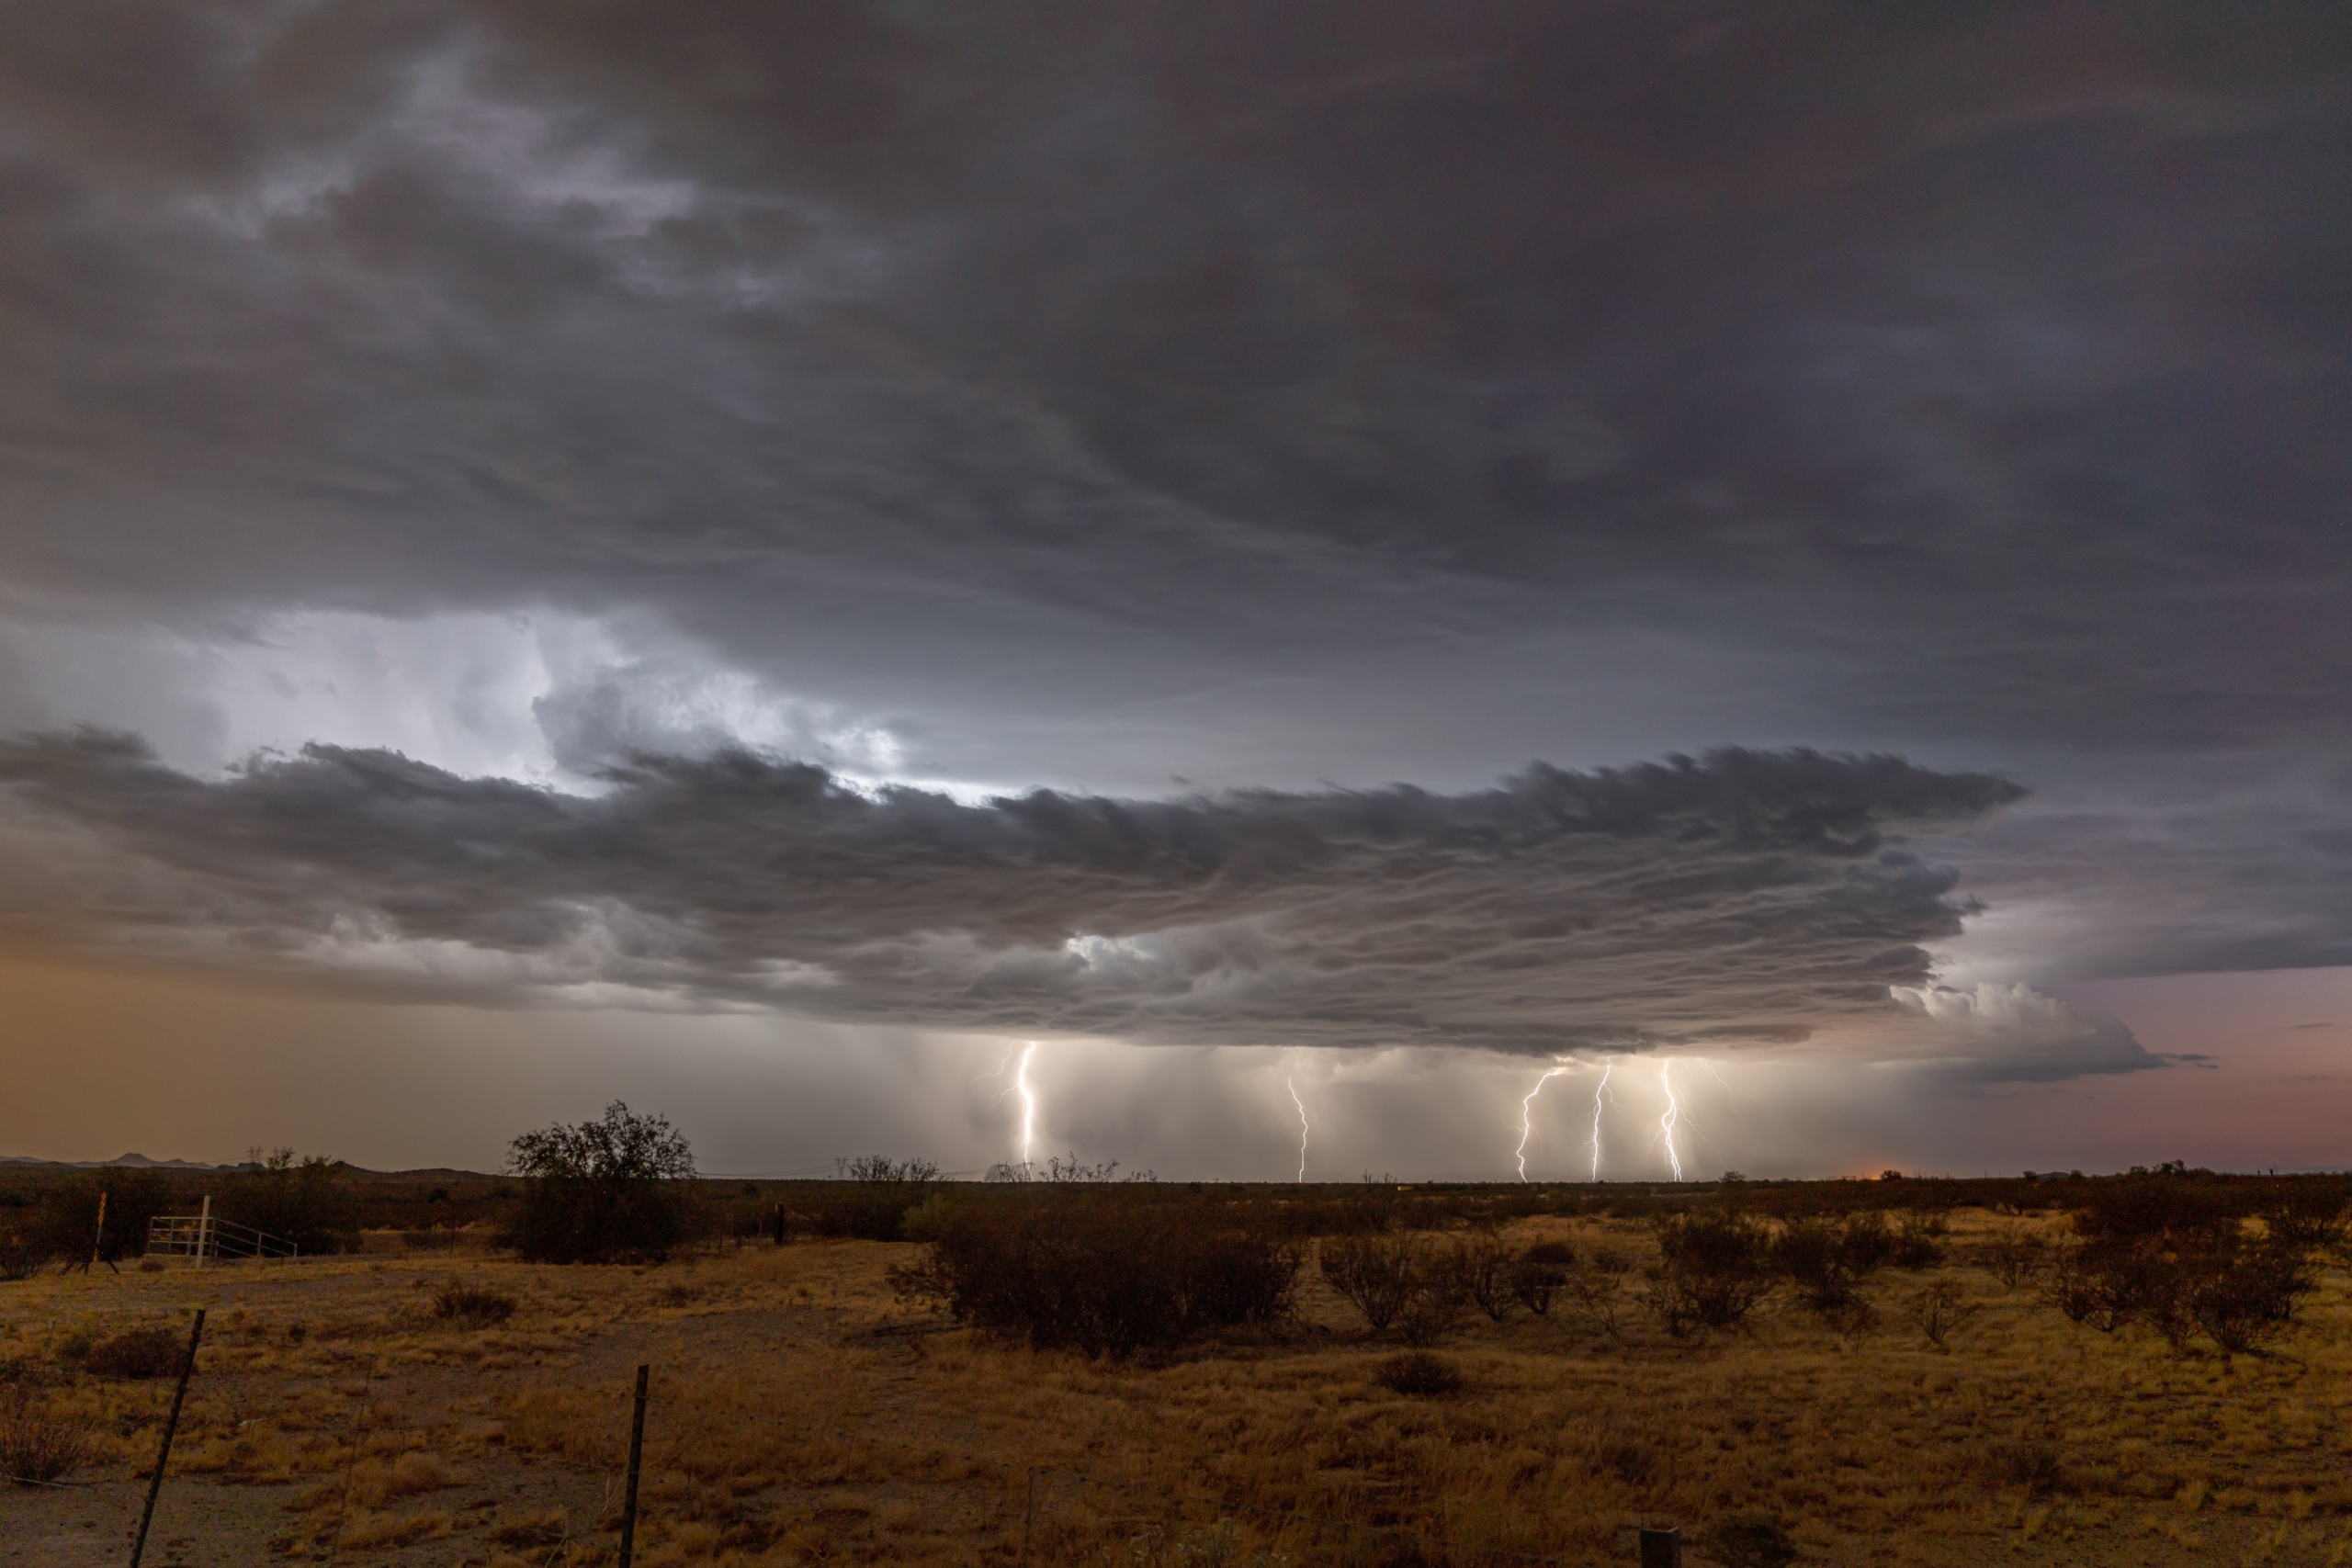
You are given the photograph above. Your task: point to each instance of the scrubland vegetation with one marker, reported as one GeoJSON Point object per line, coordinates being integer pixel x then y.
{"type": "Point", "coordinates": [2148, 1368]}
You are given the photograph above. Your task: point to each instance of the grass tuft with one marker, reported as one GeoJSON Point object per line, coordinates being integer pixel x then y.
{"type": "Point", "coordinates": [1419, 1375]}
{"type": "Point", "coordinates": [473, 1306]}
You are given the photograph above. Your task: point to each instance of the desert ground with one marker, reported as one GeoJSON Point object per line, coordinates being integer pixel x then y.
{"type": "Point", "coordinates": [800, 1413]}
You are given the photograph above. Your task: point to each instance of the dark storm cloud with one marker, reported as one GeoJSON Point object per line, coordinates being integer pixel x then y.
{"type": "Point", "coordinates": [1745, 898]}
{"type": "Point", "coordinates": [1261, 393]}
{"type": "Point", "coordinates": [1987, 365]}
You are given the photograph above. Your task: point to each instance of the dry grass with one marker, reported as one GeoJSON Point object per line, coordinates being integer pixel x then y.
{"type": "Point", "coordinates": [801, 1415]}
{"type": "Point", "coordinates": [39, 1442]}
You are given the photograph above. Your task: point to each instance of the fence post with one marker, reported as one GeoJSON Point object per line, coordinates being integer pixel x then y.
{"type": "Point", "coordinates": [204, 1231]}
{"type": "Point", "coordinates": [172, 1424]}
{"type": "Point", "coordinates": [636, 1456]}
{"type": "Point", "coordinates": [98, 1241]}
{"type": "Point", "coordinates": [1662, 1549]}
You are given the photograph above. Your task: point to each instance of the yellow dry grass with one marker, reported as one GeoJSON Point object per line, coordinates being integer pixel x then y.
{"type": "Point", "coordinates": [802, 1416]}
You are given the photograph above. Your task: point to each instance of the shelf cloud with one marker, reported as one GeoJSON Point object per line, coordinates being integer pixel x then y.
{"type": "Point", "coordinates": [1744, 896]}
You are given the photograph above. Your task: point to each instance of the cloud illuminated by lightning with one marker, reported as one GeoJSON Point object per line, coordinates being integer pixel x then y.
{"type": "Point", "coordinates": [1028, 1102]}
{"type": "Point", "coordinates": [1599, 1090]}
{"type": "Point", "coordinates": [1527, 1117]}
{"type": "Point", "coordinates": [1673, 1114]}
{"type": "Point", "coordinates": [1302, 1126]}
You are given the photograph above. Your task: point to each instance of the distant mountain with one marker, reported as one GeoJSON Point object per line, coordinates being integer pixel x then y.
{"type": "Point", "coordinates": [137, 1161]}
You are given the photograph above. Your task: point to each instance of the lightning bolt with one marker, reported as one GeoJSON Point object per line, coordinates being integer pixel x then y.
{"type": "Point", "coordinates": [1029, 1105]}
{"type": "Point", "coordinates": [1599, 1090]}
{"type": "Point", "coordinates": [1302, 1126]}
{"type": "Point", "coordinates": [1673, 1114]}
{"type": "Point", "coordinates": [1527, 1117]}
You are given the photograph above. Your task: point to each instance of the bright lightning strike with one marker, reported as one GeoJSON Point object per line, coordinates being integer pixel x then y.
{"type": "Point", "coordinates": [1599, 1090]}
{"type": "Point", "coordinates": [1673, 1114]}
{"type": "Point", "coordinates": [1302, 1126]}
{"type": "Point", "coordinates": [1029, 1104]}
{"type": "Point", "coordinates": [1527, 1117]}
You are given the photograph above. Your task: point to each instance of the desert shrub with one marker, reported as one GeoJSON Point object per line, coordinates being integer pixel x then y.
{"type": "Point", "coordinates": [1864, 1242]}
{"type": "Point", "coordinates": [68, 1218]}
{"type": "Point", "coordinates": [2015, 1255]}
{"type": "Point", "coordinates": [1628, 1451]}
{"type": "Point", "coordinates": [308, 1201]}
{"type": "Point", "coordinates": [1418, 1375]}
{"type": "Point", "coordinates": [2174, 1255]}
{"type": "Point", "coordinates": [2313, 1217]}
{"type": "Point", "coordinates": [2030, 1464]}
{"type": "Point", "coordinates": [37, 1443]}
{"type": "Point", "coordinates": [1826, 1259]}
{"type": "Point", "coordinates": [472, 1306]}
{"type": "Point", "coordinates": [873, 1204]}
{"type": "Point", "coordinates": [1538, 1273]}
{"type": "Point", "coordinates": [1810, 1252]}
{"type": "Point", "coordinates": [134, 1353]}
{"type": "Point", "coordinates": [1714, 1266]}
{"type": "Point", "coordinates": [24, 1250]}
{"type": "Point", "coordinates": [2243, 1291]}
{"type": "Point", "coordinates": [1938, 1310]}
{"type": "Point", "coordinates": [1752, 1539]}
{"type": "Point", "coordinates": [597, 1191]}
{"type": "Point", "coordinates": [1599, 1286]}
{"type": "Point", "coordinates": [1092, 1271]}
{"type": "Point", "coordinates": [1482, 1267]}
{"type": "Point", "coordinates": [1436, 1304]}
{"type": "Point", "coordinates": [1376, 1273]}
{"type": "Point", "coordinates": [1916, 1242]}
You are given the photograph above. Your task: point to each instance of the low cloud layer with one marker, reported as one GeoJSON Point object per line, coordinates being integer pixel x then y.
{"type": "Point", "coordinates": [1746, 897]}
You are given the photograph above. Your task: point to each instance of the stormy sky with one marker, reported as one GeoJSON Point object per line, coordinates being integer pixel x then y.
{"type": "Point", "coordinates": [758, 557]}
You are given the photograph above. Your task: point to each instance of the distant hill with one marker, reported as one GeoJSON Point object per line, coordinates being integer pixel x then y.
{"type": "Point", "coordinates": [141, 1162]}
{"type": "Point", "coordinates": [137, 1161]}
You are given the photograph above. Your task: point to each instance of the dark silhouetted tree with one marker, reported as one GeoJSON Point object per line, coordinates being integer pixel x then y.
{"type": "Point", "coordinates": [597, 1191]}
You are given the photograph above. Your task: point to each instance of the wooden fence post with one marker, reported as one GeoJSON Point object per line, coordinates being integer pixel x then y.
{"type": "Point", "coordinates": [636, 1458]}
{"type": "Point", "coordinates": [1662, 1549]}
{"type": "Point", "coordinates": [172, 1424]}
